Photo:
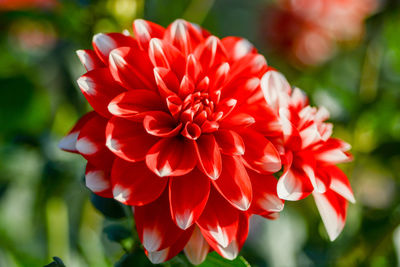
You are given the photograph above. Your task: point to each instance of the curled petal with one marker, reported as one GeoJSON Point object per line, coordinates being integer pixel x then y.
{"type": "Point", "coordinates": [234, 183]}
{"type": "Point", "coordinates": [171, 157]}
{"type": "Point", "coordinates": [167, 82]}
{"type": "Point", "coordinates": [134, 184]}
{"type": "Point", "coordinates": [128, 139]}
{"type": "Point", "coordinates": [187, 204]}
{"type": "Point", "coordinates": [209, 156]}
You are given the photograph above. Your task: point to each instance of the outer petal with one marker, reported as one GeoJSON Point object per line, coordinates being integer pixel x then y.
{"type": "Point", "coordinates": [234, 183]}
{"type": "Point", "coordinates": [294, 184]}
{"type": "Point", "coordinates": [339, 183]}
{"type": "Point", "coordinates": [168, 253]}
{"type": "Point", "coordinates": [260, 155]}
{"type": "Point", "coordinates": [135, 104]}
{"type": "Point", "coordinates": [219, 221]}
{"type": "Point", "coordinates": [134, 184]}
{"type": "Point", "coordinates": [237, 47]}
{"type": "Point", "coordinates": [276, 89]}
{"type": "Point", "coordinates": [98, 180]}
{"type": "Point", "coordinates": [145, 30]}
{"type": "Point", "coordinates": [99, 88]}
{"type": "Point", "coordinates": [231, 251]}
{"type": "Point", "coordinates": [211, 53]}
{"type": "Point", "coordinates": [187, 204]}
{"type": "Point", "coordinates": [89, 59]}
{"type": "Point", "coordinates": [128, 140]}
{"type": "Point", "coordinates": [209, 156]}
{"type": "Point", "coordinates": [333, 209]}
{"type": "Point", "coordinates": [171, 157]}
{"type": "Point", "coordinates": [103, 44]}
{"type": "Point", "coordinates": [155, 226]}
{"type": "Point", "coordinates": [68, 143]}
{"type": "Point", "coordinates": [131, 68]}
{"type": "Point", "coordinates": [332, 151]}
{"type": "Point", "coordinates": [265, 197]}
{"type": "Point", "coordinates": [197, 248]}
{"type": "Point", "coordinates": [91, 143]}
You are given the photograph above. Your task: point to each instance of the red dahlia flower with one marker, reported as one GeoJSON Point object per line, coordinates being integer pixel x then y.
{"type": "Point", "coordinates": [172, 135]}
{"type": "Point", "coordinates": [310, 153]}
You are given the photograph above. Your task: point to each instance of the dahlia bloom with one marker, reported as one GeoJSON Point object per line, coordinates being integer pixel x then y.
{"type": "Point", "coordinates": [309, 153]}
{"type": "Point", "coordinates": [308, 30]}
{"type": "Point", "coordinates": [173, 135]}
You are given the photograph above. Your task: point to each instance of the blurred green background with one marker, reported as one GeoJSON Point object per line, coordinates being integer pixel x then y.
{"type": "Point", "coordinates": [45, 209]}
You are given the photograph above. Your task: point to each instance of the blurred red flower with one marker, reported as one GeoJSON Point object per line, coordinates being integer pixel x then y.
{"type": "Point", "coordinates": [309, 153]}
{"type": "Point", "coordinates": [307, 30]}
{"type": "Point", "coordinates": [173, 134]}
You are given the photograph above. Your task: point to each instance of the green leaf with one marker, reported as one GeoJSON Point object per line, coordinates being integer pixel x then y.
{"type": "Point", "coordinates": [117, 233]}
{"type": "Point", "coordinates": [215, 260]}
{"type": "Point", "coordinates": [108, 207]}
{"type": "Point", "coordinates": [56, 263]}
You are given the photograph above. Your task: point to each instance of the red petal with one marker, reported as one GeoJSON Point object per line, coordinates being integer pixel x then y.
{"type": "Point", "coordinates": [333, 209]}
{"type": "Point", "coordinates": [231, 251]}
{"type": "Point", "coordinates": [128, 139]}
{"type": "Point", "coordinates": [103, 44]}
{"type": "Point", "coordinates": [167, 82]}
{"type": "Point", "coordinates": [98, 180]}
{"type": "Point", "coordinates": [260, 154]}
{"type": "Point", "coordinates": [237, 121]}
{"type": "Point", "coordinates": [68, 143]}
{"type": "Point", "coordinates": [168, 253]}
{"type": "Point", "coordinates": [162, 54]}
{"type": "Point", "coordinates": [209, 156]}
{"type": "Point", "coordinates": [333, 151]}
{"type": "Point", "coordinates": [91, 143]}
{"type": "Point", "coordinates": [171, 157]}
{"type": "Point", "coordinates": [187, 204]}
{"type": "Point", "coordinates": [155, 226]}
{"type": "Point", "coordinates": [161, 124]}
{"type": "Point", "coordinates": [145, 30]}
{"type": "Point", "coordinates": [230, 142]}
{"type": "Point", "coordinates": [294, 184]}
{"type": "Point", "coordinates": [211, 53]}
{"type": "Point", "coordinates": [265, 197]}
{"type": "Point", "coordinates": [183, 36]}
{"type": "Point", "coordinates": [134, 184]}
{"type": "Point", "coordinates": [131, 68]}
{"type": "Point", "coordinates": [234, 183]}
{"type": "Point", "coordinates": [99, 88]}
{"type": "Point", "coordinates": [131, 104]}
{"type": "Point", "coordinates": [219, 221]}
{"type": "Point", "coordinates": [89, 59]}
{"type": "Point", "coordinates": [237, 47]}
{"type": "Point", "coordinates": [197, 248]}
{"type": "Point", "coordinates": [339, 183]}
